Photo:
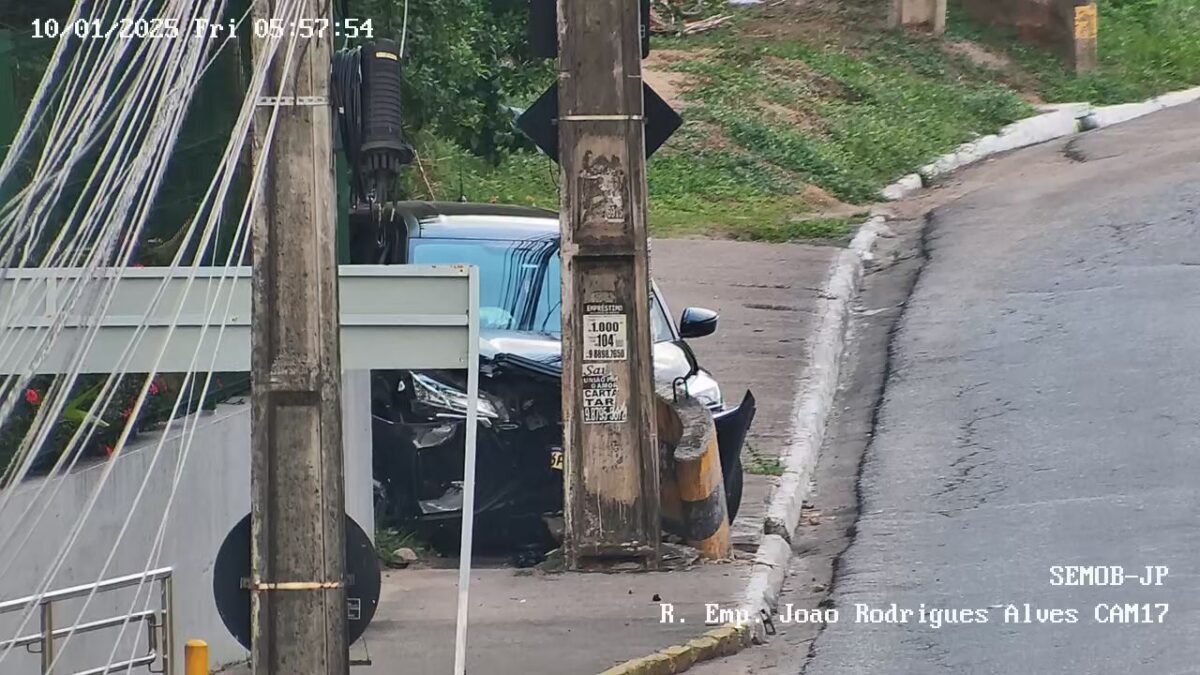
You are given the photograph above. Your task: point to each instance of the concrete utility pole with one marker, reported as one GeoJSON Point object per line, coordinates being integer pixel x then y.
{"type": "Point", "coordinates": [611, 469]}
{"type": "Point", "coordinates": [929, 14]}
{"type": "Point", "coordinates": [298, 606]}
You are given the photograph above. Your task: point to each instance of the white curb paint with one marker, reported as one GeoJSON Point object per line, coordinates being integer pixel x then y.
{"type": "Point", "coordinates": [1115, 114]}
{"type": "Point", "coordinates": [904, 188]}
{"type": "Point", "coordinates": [814, 398]}
{"type": "Point", "coordinates": [1055, 121]}
{"type": "Point", "coordinates": [1045, 127]}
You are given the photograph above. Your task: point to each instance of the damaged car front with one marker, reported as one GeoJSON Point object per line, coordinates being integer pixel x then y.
{"type": "Point", "coordinates": [419, 416]}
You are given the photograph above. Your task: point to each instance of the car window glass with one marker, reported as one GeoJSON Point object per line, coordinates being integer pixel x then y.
{"type": "Point", "coordinates": [510, 274]}
{"type": "Point", "coordinates": [519, 282]}
{"type": "Point", "coordinates": [660, 325]}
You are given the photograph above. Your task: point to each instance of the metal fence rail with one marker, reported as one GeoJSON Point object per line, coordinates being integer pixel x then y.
{"type": "Point", "coordinates": [160, 646]}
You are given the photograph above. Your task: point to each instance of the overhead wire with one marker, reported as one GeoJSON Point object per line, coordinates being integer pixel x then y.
{"type": "Point", "coordinates": [121, 443]}
{"type": "Point", "coordinates": [156, 548]}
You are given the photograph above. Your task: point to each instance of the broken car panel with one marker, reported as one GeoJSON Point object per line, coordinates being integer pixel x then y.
{"type": "Point", "coordinates": [419, 416]}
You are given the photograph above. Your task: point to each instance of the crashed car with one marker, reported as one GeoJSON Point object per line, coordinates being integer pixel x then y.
{"type": "Point", "coordinates": [419, 416]}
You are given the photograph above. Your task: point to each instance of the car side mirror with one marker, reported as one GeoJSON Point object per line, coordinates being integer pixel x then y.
{"type": "Point", "coordinates": [697, 322]}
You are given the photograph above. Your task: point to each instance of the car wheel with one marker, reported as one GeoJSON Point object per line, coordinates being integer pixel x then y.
{"type": "Point", "coordinates": [733, 487]}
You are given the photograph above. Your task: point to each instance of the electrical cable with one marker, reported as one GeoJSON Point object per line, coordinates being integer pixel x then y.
{"type": "Point", "coordinates": [141, 398]}
{"type": "Point", "coordinates": [156, 548]}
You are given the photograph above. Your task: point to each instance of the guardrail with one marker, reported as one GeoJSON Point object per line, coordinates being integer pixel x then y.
{"type": "Point", "coordinates": [159, 622]}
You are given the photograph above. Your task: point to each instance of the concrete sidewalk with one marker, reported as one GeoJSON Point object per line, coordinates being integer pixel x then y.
{"type": "Point", "coordinates": [766, 295]}
{"type": "Point", "coordinates": [526, 622]}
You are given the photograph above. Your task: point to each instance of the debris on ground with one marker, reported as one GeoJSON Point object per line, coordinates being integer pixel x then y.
{"type": "Point", "coordinates": [402, 558]}
{"type": "Point", "coordinates": [675, 558]}
{"type": "Point", "coordinates": [669, 17]}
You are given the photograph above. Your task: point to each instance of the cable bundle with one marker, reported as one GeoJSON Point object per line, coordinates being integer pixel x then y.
{"type": "Point", "coordinates": [346, 85]}
{"type": "Point", "coordinates": [110, 112]}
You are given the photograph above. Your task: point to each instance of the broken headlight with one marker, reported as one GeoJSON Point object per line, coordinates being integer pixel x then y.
{"type": "Point", "coordinates": [448, 398]}
{"type": "Point", "coordinates": [705, 389]}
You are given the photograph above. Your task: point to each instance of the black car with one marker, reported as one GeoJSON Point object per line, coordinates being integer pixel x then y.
{"type": "Point", "coordinates": [419, 416]}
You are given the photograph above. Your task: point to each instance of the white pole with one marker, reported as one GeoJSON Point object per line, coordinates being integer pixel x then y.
{"type": "Point", "coordinates": [468, 510]}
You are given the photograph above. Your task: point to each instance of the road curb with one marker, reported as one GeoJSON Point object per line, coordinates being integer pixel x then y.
{"type": "Point", "coordinates": [1055, 122]}
{"type": "Point", "coordinates": [1106, 116]}
{"type": "Point", "coordinates": [722, 641]}
{"type": "Point", "coordinates": [814, 399]}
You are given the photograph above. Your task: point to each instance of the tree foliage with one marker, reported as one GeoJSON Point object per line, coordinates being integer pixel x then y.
{"type": "Point", "coordinates": [466, 63]}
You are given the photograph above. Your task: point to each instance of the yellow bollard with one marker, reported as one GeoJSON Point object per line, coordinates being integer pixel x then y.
{"type": "Point", "coordinates": [699, 484]}
{"type": "Point", "coordinates": [195, 658]}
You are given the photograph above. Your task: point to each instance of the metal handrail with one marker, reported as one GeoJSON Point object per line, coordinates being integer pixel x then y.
{"type": "Point", "coordinates": [117, 667]}
{"type": "Point", "coordinates": [157, 620]}
{"type": "Point", "coordinates": [148, 615]}
{"type": "Point", "coordinates": [85, 589]}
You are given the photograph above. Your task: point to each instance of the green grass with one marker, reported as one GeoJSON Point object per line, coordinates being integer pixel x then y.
{"type": "Point", "coordinates": [761, 465]}
{"type": "Point", "coordinates": [1146, 48]}
{"type": "Point", "coordinates": [830, 118]}
{"type": "Point", "coordinates": [387, 540]}
{"type": "Point", "coordinates": [847, 108]}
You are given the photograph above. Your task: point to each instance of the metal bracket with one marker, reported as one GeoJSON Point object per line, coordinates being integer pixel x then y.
{"type": "Point", "coordinates": [676, 384]}
{"type": "Point", "coordinates": [293, 100]}
{"type": "Point", "coordinates": [768, 624]}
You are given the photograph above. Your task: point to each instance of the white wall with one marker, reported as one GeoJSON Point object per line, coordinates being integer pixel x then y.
{"type": "Point", "coordinates": [213, 495]}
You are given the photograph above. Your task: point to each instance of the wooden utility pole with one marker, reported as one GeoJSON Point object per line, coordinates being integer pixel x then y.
{"type": "Point", "coordinates": [298, 594]}
{"type": "Point", "coordinates": [611, 469]}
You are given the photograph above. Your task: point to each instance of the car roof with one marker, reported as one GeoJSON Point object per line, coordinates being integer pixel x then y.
{"type": "Point", "coordinates": [454, 220]}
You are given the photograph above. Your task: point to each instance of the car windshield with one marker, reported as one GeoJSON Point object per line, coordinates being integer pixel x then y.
{"type": "Point", "coordinates": [518, 281]}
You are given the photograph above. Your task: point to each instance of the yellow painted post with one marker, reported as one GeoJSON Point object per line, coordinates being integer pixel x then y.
{"type": "Point", "coordinates": [195, 657]}
{"type": "Point", "coordinates": [1083, 53]}
{"type": "Point", "coordinates": [700, 484]}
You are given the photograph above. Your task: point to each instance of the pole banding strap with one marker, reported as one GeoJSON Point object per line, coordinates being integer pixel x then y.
{"type": "Point", "coordinates": [601, 118]}
{"type": "Point", "coordinates": [291, 586]}
{"type": "Point", "coordinates": [292, 100]}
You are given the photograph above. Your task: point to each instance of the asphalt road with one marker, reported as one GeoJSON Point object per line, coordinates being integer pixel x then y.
{"type": "Point", "coordinates": [1039, 409]}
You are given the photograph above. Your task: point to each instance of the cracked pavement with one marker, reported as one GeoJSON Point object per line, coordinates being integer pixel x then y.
{"type": "Point", "coordinates": [1039, 409]}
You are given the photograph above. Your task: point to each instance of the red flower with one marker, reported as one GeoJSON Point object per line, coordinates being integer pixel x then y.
{"type": "Point", "coordinates": [32, 396]}
{"type": "Point", "coordinates": [154, 389]}
{"type": "Point", "coordinates": [108, 450]}
{"type": "Point", "coordinates": [126, 413]}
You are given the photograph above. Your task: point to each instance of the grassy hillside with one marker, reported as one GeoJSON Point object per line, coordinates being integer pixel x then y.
{"type": "Point", "coordinates": [798, 113]}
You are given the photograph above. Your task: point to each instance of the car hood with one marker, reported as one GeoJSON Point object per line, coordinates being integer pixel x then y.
{"type": "Point", "coordinates": [670, 361]}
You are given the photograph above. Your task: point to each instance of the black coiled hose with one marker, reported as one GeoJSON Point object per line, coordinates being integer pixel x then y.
{"type": "Point", "coordinates": [347, 100]}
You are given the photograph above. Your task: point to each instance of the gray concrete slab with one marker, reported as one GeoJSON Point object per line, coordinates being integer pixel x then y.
{"type": "Point", "coordinates": [765, 294]}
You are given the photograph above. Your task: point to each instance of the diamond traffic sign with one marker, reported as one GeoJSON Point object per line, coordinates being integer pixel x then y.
{"type": "Point", "coordinates": [540, 121]}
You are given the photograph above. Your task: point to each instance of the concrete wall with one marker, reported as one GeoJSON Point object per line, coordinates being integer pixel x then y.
{"type": "Point", "coordinates": [213, 495]}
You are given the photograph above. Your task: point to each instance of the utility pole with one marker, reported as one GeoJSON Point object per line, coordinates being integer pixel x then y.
{"type": "Point", "coordinates": [927, 14]}
{"type": "Point", "coordinates": [298, 594]}
{"type": "Point", "coordinates": [611, 449]}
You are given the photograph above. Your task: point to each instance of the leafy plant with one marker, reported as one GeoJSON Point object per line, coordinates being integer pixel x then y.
{"type": "Point", "coordinates": [762, 465]}
{"type": "Point", "coordinates": [110, 420]}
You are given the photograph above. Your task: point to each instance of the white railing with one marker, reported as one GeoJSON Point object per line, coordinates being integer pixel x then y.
{"type": "Point", "coordinates": [160, 647]}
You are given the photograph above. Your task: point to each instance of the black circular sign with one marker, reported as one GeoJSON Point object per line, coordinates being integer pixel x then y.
{"type": "Point", "coordinates": [233, 565]}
